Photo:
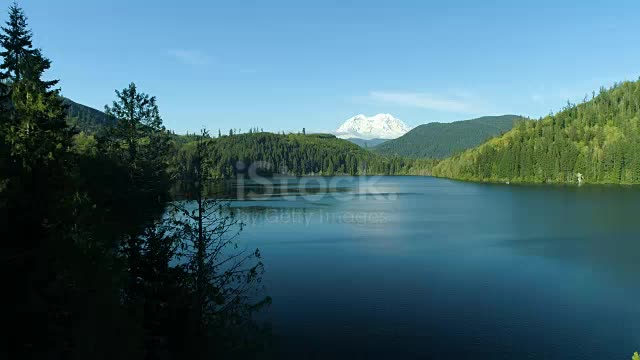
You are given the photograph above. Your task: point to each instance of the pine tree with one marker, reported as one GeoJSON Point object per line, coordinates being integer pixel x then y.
{"type": "Point", "coordinates": [137, 117]}
{"type": "Point", "coordinates": [221, 278]}
{"type": "Point", "coordinates": [16, 42]}
{"type": "Point", "coordinates": [140, 144]}
{"type": "Point", "coordinates": [35, 178]}
{"type": "Point", "coordinates": [34, 121]}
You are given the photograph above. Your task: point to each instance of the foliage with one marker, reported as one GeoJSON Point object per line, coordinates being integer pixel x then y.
{"type": "Point", "coordinates": [87, 260]}
{"type": "Point", "coordinates": [297, 154]}
{"type": "Point", "coordinates": [222, 278]}
{"type": "Point", "coordinates": [140, 143]}
{"type": "Point", "coordinates": [87, 119]}
{"type": "Point", "coordinates": [33, 118]}
{"type": "Point", "coordinates": [598, 139]}
{"type": "Point", "coordinates": [85, 144]}
{"type": "Point", "coordinates": [51, 256]}
{"type": "Point", "coordinates": [137, 122]}
{"type": "Point", "coordinates": [16, 43]}
{"type": "Point", "coordinates": [367, 143]}
{"type": "Point", "coordinates": [440, 140]}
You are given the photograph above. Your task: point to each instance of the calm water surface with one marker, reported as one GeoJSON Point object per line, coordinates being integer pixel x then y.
{"type": "Point", "coordinates": [418, 267]}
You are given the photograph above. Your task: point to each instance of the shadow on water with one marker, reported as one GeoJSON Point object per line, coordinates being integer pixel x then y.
{"type": "Point", "coordinates": [591, 226]}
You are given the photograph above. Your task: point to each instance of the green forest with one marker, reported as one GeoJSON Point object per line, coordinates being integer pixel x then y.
{"type": "Point", "coordinates": [295, 154]}
{"type": "Point", "coordinates": [597, 142]}
{"type": "Point", "coordinates": [98, 262]}
{"type": "Point", "coordinates": [440, 140]}
{"type": "Point", "coordinates": [300, 154]}
{"type": "Point", "coordinates": [86, 119]}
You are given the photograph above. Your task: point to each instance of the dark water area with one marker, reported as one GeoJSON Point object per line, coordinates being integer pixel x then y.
{"type": "Point", "coordinates": [418, 267]}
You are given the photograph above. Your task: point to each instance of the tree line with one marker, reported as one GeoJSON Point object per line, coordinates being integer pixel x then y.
{"type": "Point", "coordinates": [98, 262]}
{"type": "Point", "coordinates": [299, 155]}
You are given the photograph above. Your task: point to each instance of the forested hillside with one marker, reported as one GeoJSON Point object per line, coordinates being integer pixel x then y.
{"type": "Point", "coordinates": [598, 141]}
{"type": "Point", "coordinates": [440, 140]}
{"type": "Point", "coordinates": [292, 154]}
{"type": "Point", "coordinates": [85, 118]}
{"type": "Point", "coordinates": [298, 154]}
{"type": "Point", "coordinates": [367, 143]}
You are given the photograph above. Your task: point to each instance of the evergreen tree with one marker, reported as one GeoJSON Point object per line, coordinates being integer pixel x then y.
{"type": "Point", "coordinates": [140, 144]}
{"type": "Point", "coordinates": [34, 116]}
{"type": "Point", "coordinates": [222, 279]}
{"type": "Point", "coordinates": [16, 43]}
{"type": "Point", "coordinates": [137, 117]}
{"type": "Point", "coordinates": [67, 204]}
{"type": "Point", "coordinates": [38, 203]}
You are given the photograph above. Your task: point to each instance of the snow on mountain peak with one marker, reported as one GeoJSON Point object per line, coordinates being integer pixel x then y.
{"type": "Point", "coordinates": [381, 126]}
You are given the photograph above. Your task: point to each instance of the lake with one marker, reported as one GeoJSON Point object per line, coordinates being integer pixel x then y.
{"type": "Point", "coordinates": [419, 267]}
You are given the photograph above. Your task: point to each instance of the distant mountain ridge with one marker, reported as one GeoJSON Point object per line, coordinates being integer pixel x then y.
{"type": "Point", "coordinates": [381, 126]}
{"type": "Point", "coordinates": [440, 140]}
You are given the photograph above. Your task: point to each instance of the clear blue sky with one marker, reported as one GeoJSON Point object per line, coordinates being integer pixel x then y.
{"type": "Point", "coordinates": [284, 65]}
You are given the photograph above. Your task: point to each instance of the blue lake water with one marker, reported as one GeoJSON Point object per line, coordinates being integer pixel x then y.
{"type": "Point", "coordinates": [419, 267]}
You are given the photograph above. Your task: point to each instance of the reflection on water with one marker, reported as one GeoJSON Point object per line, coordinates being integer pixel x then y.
{"type": "Point", "coordinates": [411, 267]}
{"type": "Point", "coordinates": [313, 189]}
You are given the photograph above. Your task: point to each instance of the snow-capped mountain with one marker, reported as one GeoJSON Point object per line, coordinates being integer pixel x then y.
{"type": "Point", "coordinates": [381, 126]}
